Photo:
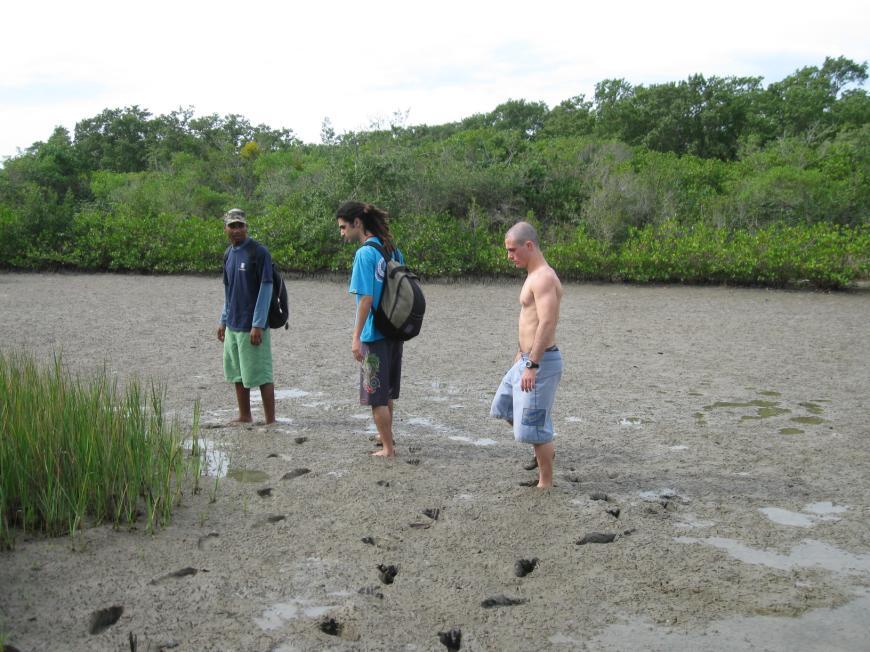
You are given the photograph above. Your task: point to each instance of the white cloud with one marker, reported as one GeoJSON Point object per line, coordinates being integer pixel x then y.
{"type": "Point", "coordinates": [290, 66]}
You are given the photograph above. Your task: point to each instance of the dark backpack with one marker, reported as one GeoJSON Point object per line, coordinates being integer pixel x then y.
{"type": "Point", "coordinates": [399, 315]}
{"type": "Point", "coordinates": [279, 312]}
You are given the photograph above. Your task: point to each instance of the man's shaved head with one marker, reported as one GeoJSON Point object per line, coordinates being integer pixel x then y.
{"type": "Point", "coordinates": [523, 232]}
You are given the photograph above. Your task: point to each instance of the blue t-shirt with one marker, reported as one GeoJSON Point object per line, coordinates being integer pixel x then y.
{"type": "Point", "coordinates": [367, 279]}
{"type": "Point", "coordinates": [247, 286]}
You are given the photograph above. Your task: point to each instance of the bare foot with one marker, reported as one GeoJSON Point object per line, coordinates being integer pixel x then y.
{"type": "Point", "coordinates": [238, 420]}
{"type": "Point", "coordinates": [384, 453]}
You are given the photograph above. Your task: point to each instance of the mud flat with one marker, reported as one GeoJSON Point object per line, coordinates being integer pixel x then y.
{"type": "Point", "coordinates": [712, 479]}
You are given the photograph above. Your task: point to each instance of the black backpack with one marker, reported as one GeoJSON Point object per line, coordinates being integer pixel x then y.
{"type": "Point", "coordinates": [279, 312]}
{"type": "Point", "coordinates": [399, 315]}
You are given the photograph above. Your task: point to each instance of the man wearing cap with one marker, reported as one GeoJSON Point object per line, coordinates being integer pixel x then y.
{"type": "Point", "coordinates": [243, 327]}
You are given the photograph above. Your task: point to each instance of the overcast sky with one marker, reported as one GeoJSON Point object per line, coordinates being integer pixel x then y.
{"type": "Point", "coordinates": [291, 66]}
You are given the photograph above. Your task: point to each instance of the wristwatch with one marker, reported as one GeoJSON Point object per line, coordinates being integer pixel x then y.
{"type": "Point", "coordinates": [532, 365]}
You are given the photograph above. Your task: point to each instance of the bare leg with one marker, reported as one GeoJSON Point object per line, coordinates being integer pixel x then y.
{"type": "Point", "coordinates": [267, 391]}
{"type": "Point", "coordinates": [378, 440]}
{"type": "Point", "coordinates": [383, 416]}
{"type": "Point", "coordinates": [243, 398]}
{"type": "Point", "coordinates": [545, 453]}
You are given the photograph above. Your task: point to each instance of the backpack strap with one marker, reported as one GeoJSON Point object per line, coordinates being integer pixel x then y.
{"type": "Point", "coordinates": [382, 249]}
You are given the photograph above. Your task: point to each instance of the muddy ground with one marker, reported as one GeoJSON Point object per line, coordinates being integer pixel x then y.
{"type": "Point", "coordinates": [728, 429]}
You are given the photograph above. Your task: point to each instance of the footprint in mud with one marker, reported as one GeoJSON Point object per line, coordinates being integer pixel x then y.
{"type": "Point", "coordinates": [383, 483]}
{"type": "Point", "coordinates": [387, 573]}
{"type": "Point", "coordinates": [432, 513]}
{"type": "Point", "coordinates": [275, 518]}
{"type": "Point", "coordinates": [295, 473]}
{"type": "Point", "coordinates": [413, 462]}
{"type": "Point", "coordinates": [452, 639]}
{"type": "Point", "coordinates": [420, 526]}
{"type": "Point", "coordinates": [523, 567]}
{"type": "Point", "coordinates": [202, 542]}
{"type": "Point", "coordinates": [187, 571]}
{"type": "Point", "coordinates": [573, 477]}
{"type": "Point", "coordinates": [596, 537]}
{"type": "Point", "coordinates": [599, 495]}
{"type": "Point", "coordinates": [301, 440]}
{"type": "Point", "coordinates": [372, 591]}
{"type": "Point", "coordinates": [368, 540]}
{"type": "Point", "coordinates": [501, 601]}
{"type": "Point", "coordinates": [529, 483]}
{"type": "Point", "coordinates": [271, 455]}
{"type": "Point", "coordinates": [102, 619]}
{"type": "Point", "coordinates": [265, 492]}
{"type": "Point", "coordinates": [614, 512]}
{"type": "Point", "coordinates": [331, 626]}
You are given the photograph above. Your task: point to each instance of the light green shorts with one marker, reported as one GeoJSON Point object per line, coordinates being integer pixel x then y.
{"type": "Point", "coordinates": [245, 363]}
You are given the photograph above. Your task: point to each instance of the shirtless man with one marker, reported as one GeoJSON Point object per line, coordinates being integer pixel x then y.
{"type": "Point", "coordinates": [527, 392]}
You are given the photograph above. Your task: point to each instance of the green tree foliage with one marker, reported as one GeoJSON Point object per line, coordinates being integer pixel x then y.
{"type": "Point", "coordinates": [606, 178]}
{"type": "Point", "coordinates": [809, 101]}
{"type": "Point", "coordinates": [115, 140]}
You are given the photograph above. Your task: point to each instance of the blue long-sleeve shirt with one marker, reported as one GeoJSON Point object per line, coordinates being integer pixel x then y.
{"type": "Point", "coordinates": [247, 286]}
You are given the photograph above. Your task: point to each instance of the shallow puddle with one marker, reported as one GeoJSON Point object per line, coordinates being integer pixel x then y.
{"type": "Point", "coordinates": [807, 554]}
{"type": "Point", "coordinates": [826, 508]}
{"type": "Point", "coordinates": [767, 412]}
{"type": "Point", "coordinates": [476, 442]}
{"type": "Point", "coordinates": [729, 404]}
{"type": "Point", "coordinates": [281, 394]}
{"type": "Point", "coordinates": [278, 614]}
{"type": "Point", "coordinates": [691, 522]}
{"type": "Point", "coordinates": [785, 517]}
{"type": "Point", "coordinates": [840, 628]}
{"type": "Point", "coordinates": [215, 462]}
{"type": "Point", "coordinates": [811, 421]}
{"type": "Point", "coordinates": [247, 475]}
{"type": "Point", "coordinates": [812, 408]}
{"type": "Point", "coordinates": [814, 513]}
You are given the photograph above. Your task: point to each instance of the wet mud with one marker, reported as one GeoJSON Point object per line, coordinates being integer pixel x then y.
{"type": "Point", "coordinates": [720, 437]}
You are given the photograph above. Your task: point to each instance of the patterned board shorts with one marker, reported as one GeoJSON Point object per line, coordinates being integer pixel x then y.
{"type": "Point", "coordinates": [380, 372]}
{"type": "Point", "coordinates": [535, 425]}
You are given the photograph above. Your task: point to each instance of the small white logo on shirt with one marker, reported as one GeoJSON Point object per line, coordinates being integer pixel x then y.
{"type": "Point", "coordinates": [242, 267]}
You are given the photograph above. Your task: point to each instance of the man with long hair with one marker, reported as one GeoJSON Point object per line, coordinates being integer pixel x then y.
{"type": "Point", "coordinates": [380, 357]}
{"type": "Point", "coordinates": [527, 392]}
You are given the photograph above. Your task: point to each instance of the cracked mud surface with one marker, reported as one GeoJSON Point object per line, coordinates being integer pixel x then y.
{"type": "Point", "coordinates": [727, 429]}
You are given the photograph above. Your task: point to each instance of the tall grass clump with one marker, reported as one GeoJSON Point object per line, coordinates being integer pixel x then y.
{"type": "Point", "coordinates": [76, 451]}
